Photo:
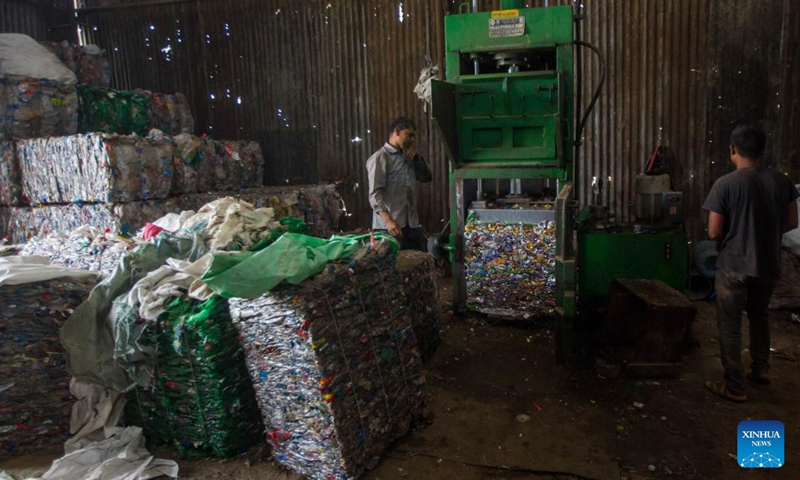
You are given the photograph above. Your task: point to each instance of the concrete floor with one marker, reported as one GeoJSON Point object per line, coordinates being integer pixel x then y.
{"type": "Point", "coordinates": [503, 410]}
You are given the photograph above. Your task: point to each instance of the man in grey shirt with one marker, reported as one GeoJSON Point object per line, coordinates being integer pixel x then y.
{"type": "Point", "coordinates": [749, 210]}
{"type": "Point", "coordinates": [393, 172]}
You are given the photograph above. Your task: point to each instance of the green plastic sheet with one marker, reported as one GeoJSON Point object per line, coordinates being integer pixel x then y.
{"type": "Point", "coordinates": [292, 258]}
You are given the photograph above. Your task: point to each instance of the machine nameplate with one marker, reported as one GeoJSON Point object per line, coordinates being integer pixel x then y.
{"type": "Point", "coordinates": [506, 27]}
{"type": "Point", "coordinates": [505, 13]}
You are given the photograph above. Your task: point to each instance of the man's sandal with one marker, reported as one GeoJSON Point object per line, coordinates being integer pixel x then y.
{"type": "Point", "coordinates": [721, 390]}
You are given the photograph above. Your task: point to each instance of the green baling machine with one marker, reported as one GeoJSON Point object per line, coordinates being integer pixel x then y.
{"type": "Point", "coordinates": [506, 112]}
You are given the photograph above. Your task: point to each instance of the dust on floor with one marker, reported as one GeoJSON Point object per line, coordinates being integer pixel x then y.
{"type": "Point", "coordinates": [503, 409]}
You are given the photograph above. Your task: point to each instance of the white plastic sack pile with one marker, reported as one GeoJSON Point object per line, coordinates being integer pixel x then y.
{"type": "Point", "coordinates": [23, 56]}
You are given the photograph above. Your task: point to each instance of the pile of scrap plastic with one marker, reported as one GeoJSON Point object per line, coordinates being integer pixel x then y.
{"type": "Point", "coordinates": [37, 92]}
{"type": "Point", "coordinates": [335, 364]}
{"type": "Point", "coordinates": [107, 110]}
{"type": "Point", "coordinates": [204, 165]}
{"type": "Point", "coordinates": [421, 286]}
{"type": "Point", "coordinates": [510, 268]}
{"type": "Point", "coordinates": [20, 224]}
{"type": "Point", "coordinates": [168, 112]}
{"type": "Point", "coordinates": [89, 63]}
{"type": "Point", "coordinates": [86, 248]}
{"type": "Point", "coordinates": [10, 180]}
{"type": "Point", "coordinates": [320, 206]}
{"type": "Point", "coordinates": [200, 399]}
{"type": "Point", "coordinates": [35, 404]}
{"type": "Point", "coordinates": [95, 168]}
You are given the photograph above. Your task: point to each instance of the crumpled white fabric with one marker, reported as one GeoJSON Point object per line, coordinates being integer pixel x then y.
{"type": "Point", "coordinates": [423, 88]}
{"type": "Point", "coordinates": [96, 414]}
{"type": "Point", "coordinates": [226, 222]}
{"type": "Point", "coordinates": [120, 457]}
{"type": "Point", "coordinates": [152, 293]}
{"type": "Point", "coordinates": [29, 269]}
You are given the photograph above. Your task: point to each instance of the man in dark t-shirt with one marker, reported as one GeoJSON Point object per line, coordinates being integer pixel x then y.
{"type": "Point", "coordinates": [749, 210]}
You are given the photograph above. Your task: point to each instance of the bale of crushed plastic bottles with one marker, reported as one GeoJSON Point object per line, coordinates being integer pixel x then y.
{"type": "Point", "coordinates": [35, 401]}
{"type": "Point", "coordinates": [510, 268]}
{"type": "Point", "coordinates": [201, 400]}
{"type": "Point", "coordinates": [335, 365]}
{"type": "Point", "coordinates": [421, 287]}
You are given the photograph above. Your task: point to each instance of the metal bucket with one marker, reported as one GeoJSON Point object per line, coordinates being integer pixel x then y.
{"type": "Point", "coordinates": [705, 258]}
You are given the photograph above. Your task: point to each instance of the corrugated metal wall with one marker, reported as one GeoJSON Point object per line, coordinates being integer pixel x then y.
{"type": "Point", "coordinates": [40, 19]}
{"type": "Point", "coordinates": [319, 81]}
{"type": "Point", "coordinates": [21, 16]}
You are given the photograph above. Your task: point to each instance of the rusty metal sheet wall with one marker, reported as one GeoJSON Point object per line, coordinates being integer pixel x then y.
{"type": "Point", "coordinates": [317, 82]}
{"type": "Point", "coordinates": [655, 94]}
{"type": "Point", "coordinates": [320, 80]}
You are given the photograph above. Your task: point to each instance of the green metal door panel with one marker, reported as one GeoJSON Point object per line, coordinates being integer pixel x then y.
{"type": "Point", "coordinates": [510, 94]}
{"type": "Point", "coordinates": [543, 27]}
{"type": "Point", "coordinates": [510, 118]}
{"type": "Point", "coordinates": [443, 111]}
{"type": "Point", "coordinates": [529, 141]}
{"type": "Point", "coordinates": [604, 256]}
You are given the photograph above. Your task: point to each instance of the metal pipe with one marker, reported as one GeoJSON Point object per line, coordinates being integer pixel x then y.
{"type": "Point", "coordinates": [474, 6]}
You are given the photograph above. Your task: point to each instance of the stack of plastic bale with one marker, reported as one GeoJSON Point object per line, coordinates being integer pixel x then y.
{"type": "Point", "coordinates": [320, 206]}
{"type": "Point", "coordinates": [20, 224]}
{"type": "Point", "coordinates": [86, 248]}
{"type": "Point", "coordinates": [107, 110]}
{"type": "Point", "coordinates": [35, 404]}
{"type": "Point", "coordinates": [335, 365]}
{"type": "Point", "coordinates": [510, 268]}
{"type": "Point", "coordinates": [105, 181]}
{"type": "Point", "coordinates": [168, 112]}
{"type": "Point", "coordinates": [200, 399]}
{"type": "Point", "coordinates": [95, 168]}
{"type": "Point", "coordinates": [10, 180]}
{"type": "Point", "coordinates": [37, 92]}
{"type": "Point", "coordinates": [421, 287]}
{"type": "Point", "coordinates": [89, 63]}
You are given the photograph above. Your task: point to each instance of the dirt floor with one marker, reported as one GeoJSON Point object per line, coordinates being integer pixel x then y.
{"type": "Point", "coordinates": [503, 410]}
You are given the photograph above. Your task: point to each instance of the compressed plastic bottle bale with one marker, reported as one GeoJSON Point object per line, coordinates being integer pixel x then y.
{"type": "Point", "coordinates": [335, 365]}
{"type": "Point", "coordinates": [237, 165]}
{"type": "Point", "coordinates": [37, 107]}
{"type": "Point", "coordinates": [184, 113]}
{"type": "Point", "coordinates": [10, 180]}
{"type": "Point", "coordinates": [95, 168]}
{"type": "Point", "coordinates": [111, 111]}
{"type": "Point", "coordinates": [35, 404]}
{"type": "Point", "coordinates": [421, 287]}
{"type": "Point", "coordinates": [510, 268]}
{"type": "Point", "coordinates": [92, 65]}
{"type": "Point", "coordinates": [193, 170]}
{"type": "Point", "coordinates": [201, 400]}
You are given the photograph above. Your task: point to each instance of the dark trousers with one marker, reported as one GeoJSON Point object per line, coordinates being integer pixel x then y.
{"type": "Point", "coordinates": [735, 294]}
{"type": "Point", "coordinates": [413, 239]}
